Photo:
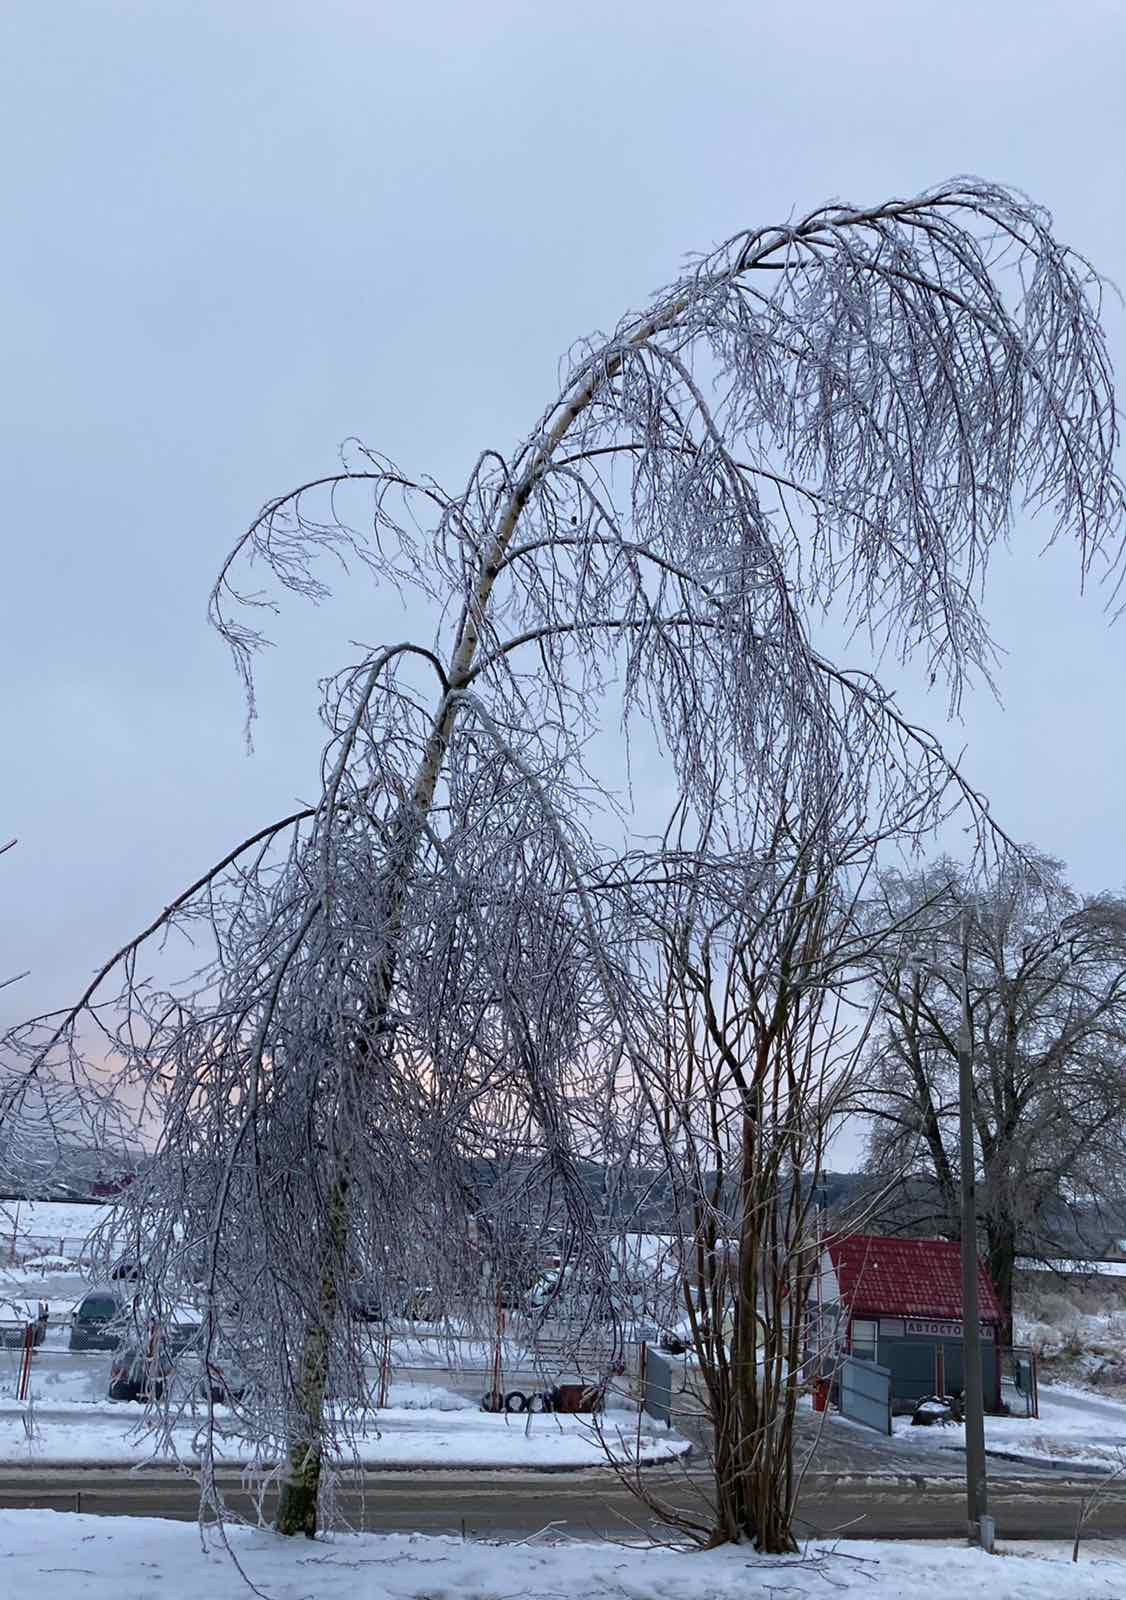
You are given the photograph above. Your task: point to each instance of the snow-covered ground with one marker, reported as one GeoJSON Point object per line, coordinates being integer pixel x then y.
{"type": "Point", "coordinates": [406, 1435]}
{"type": "Point", "coordinates": [432, 1417]}
{"type": "Point", "coordinates": [1075, 1427]}
{"type": "Point", "coordinates": [56, 1556]}
{"type": "Point", "coordinates": [47, 1227]}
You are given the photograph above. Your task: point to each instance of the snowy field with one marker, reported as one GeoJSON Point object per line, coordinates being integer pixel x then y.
{"type": "Point", "coordinates": [56, 1556]}
{"type": "Point", "coordinates": [52, 1227]}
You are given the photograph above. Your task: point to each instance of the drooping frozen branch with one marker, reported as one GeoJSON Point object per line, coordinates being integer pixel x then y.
{"type": "Point", "coordinates": [438, 962]}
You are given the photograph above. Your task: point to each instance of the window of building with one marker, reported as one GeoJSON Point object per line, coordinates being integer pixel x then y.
{"type": "Point", "coordinates": [864, 1339]}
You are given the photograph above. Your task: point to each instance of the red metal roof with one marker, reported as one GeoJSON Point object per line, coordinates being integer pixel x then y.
{"type": "Point", "coordinates": [906, 1277]}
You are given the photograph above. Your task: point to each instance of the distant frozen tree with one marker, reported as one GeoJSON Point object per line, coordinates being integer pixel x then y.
{"type": "Point", "coordinates": [29, 1141]}
{"type": "Point", "coordinates": [14, 977]}
{"type": "Point", "coordinates": [834, 415]}
{"type": "Point", "coordinates": [1047, 993]}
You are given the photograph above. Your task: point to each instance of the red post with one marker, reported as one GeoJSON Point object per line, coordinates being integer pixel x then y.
{"type": "Point", "coordinates": [25, 1361]}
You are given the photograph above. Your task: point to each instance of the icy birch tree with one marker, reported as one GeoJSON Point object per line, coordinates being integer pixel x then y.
{"type": "Point", "coordinates": [837, 415]}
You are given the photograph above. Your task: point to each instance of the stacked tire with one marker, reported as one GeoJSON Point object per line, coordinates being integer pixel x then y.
{"type": "Point", "coordinates": [516, 1402]}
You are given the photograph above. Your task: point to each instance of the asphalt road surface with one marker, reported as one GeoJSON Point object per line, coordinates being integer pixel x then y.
{"type": "Point", "coordinates": [515, 1506]}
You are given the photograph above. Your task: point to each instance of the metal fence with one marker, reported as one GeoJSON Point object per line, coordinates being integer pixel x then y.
{"type": "Point", "coordinates": [656, 1385]}
{"type": "Point", "coordinates": [865, 1393]}
{"type": "Point", "coordinates": [26, 1249]}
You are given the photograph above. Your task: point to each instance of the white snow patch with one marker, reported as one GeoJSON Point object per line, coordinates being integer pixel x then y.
{"type": "Point", "coordinates": [1080, 1428]}
{"type": "Point", "coordinates": [27, 1224]}
{"type": "Point", "coordinates": [56, 1555]}
{"type": "Point", "coordinates": [65, 1431]}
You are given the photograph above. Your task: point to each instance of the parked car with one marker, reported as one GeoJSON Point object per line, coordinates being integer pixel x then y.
{"type": "Point", "coordinates": [512, 1293]}
{"type": "Point", "coordinates": [138, 1375]}
{"type": "Point", "coordinates": [130, 1270]}
{"type": "Point", "coordinates": [181, 1331]}
{"type": "Point", "coordinates": [144, 1370]}
{"type": "Point", "coordinates": [97, 1321]}
{"type": "Point", "coordinates": [13, 1330]}
{"type": "Point", "coordinates": [224, 1379]}
{"type": "Point", "coordinates": [380, 1302]}
{"type": "Point", "coordinates": [420, 1304]}
{"type": "Point", "coordinates": [576, 1296]}
{"type": "Point", "coordinates": [371, 1301]}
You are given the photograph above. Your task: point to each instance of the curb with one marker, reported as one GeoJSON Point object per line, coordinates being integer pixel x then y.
{"type": "Point", "coordinates": [1048, 1463]}
{"type": "Point", "coordinates": [369, 1469]}
{"type": "Point", "coordinates": [1085, 1469]}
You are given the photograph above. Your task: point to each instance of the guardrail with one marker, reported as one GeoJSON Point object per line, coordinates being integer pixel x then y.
{"type": "Point", "coordinates": [560, 1358]}
{"type": "Point", "coordinates": [22, 1249]}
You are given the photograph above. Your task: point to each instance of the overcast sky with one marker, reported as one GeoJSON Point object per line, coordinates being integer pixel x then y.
{"type": "Point", "coordinates": [236, 233]}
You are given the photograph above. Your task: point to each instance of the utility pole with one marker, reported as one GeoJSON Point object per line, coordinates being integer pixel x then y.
{"type": "Point", "coordinates": [977, 1496]}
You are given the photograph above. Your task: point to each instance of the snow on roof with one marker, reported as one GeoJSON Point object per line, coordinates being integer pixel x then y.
{"type": "Point", "coordinates": [906, 1277]}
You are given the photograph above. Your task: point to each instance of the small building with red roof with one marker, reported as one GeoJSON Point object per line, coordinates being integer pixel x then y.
{"type": "Point", "coordinates": [898, 1302]}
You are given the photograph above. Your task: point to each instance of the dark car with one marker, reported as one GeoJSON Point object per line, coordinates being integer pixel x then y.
{"type": "Point", "coordinates": [371, 1301]}
{"type": "Point", "coordinates": [138, 1375]}
{"type": "Point", "coordinates": [130, 1270]}
{"type": "Point", "coordinates": [13, 1331]}
{"type": "Point", "coordinates": [368, 1301]}
{"type": "Point", "coordinates": [96, 1323]}
{"type": "Point", "coordinates": [420, 1304]}
{"type": "Point", "coordinates": [224, 1378]}
{"type": "Point", "coordinates": [512, 1293]}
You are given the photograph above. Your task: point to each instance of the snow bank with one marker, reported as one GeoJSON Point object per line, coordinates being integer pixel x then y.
{"type": "Point", "coordinates": [27, 1222]}
{"type": "Point", "coordinates": [1079, 1428]}
{"type": "Point", "coordinates": [426, 1397]}
{"type": "Point", "coordinates": [56, 1556]}
{"type": "Point", "coordinates": [55, 1433]}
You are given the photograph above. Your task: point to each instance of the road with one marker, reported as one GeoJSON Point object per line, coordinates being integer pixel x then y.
{"type": "Point", "coordinates": [509, 1505]}
{"type": "Point", "coordinates": [1108, 1410]}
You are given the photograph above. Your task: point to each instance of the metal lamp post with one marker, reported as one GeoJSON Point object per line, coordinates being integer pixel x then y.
{"type": "Point", "coordinates": [980, 1523]}
{"type": "Point", "coordinates": [977, 1493]}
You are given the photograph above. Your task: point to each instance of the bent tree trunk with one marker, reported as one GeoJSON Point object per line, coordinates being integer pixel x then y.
{"type": "Point", "coordinates": [297, 1511]}
{"type": "Point", "coordinates": [305, 1452]}
{"type": "Point", "coordinates": [297, 1505]}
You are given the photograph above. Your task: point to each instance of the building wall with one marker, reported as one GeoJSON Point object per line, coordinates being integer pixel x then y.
{"type": "Point", "coordinates": [909, 1346]}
